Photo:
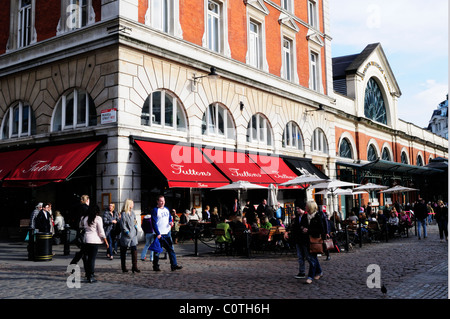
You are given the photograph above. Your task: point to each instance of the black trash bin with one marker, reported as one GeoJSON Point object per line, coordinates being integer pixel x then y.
{"type": "Point", "coordinates": [43, 247]}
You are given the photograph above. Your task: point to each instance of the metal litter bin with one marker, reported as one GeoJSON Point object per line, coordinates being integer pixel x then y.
{"type": "Point", "coordinates": [43, 247]}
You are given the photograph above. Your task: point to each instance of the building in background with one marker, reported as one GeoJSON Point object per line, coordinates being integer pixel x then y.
{"type": "Point", "coordinates": [94, 94]}
{"type": "Point", "coordinates": [439, 120]}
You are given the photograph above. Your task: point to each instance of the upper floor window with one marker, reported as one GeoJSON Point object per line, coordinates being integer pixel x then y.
{"type": "Point", "coordinates": [313, 17]}
{"type": "Point", "coordinates": [19, 121]}
{"type": "Point", "coordinates": [374, 107]}
{"type": "Point", "coordinates": [314, 68]}
{"type": "Point", "coordinates": [162, 109]}
{"type": "Point", "coordinates": [404, 158]}
{"type": "Point", "coordinates": [75, 14]}
{"type": "Point", "coordinates": [24, 23]}
{"type": "Point", "coordinates": [79, 13]}
{"type": "Point", "coordinates": [319, 141]}
{"type": "Point", "coordinates": [372, 153]}
{"type": "Point", "coordinates": [419, 160]}
{"type": "Point", "coordinates": [292, 136]}
{"type": "Point", "coordinates": [214, 26]}
{"type": "Point", "coordinates": [75, 109]}
{"type": "Point", "coordinates": [217, 121]}
{"type": "Point", "coordinates": [287, 59]}
{"type": "Point", "coordinates": [386, 155]}
{"type": "Point", "coordinates": [259, 131]}
{"type": "Point", "coordinates": [255, 44]}
{"type": "Point", "coordinates": [345, 149]}
{"type": "Point", "coordinates": [287, 5]}
{"type": "Point", "coordinates": [159, 14]}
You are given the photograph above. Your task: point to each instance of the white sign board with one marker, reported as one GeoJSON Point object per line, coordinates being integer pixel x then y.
{"type": "Point", "coordinates": [109, 116]}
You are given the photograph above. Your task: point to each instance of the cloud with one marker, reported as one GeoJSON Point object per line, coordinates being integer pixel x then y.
{"type": "Point", "coordinates": [399, 25]}
{"type": "Point", "coordinates": [417, 107]}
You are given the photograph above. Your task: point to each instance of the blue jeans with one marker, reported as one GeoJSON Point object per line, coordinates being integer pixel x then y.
{"type": "Point", "coordinates": [166, 243]}
{"type": "Point", "coordinates": [314, 266]}
{"type": "Point", "coordinates": [148, 241]}
{"type": "Point", "coordinates": [302, 253]}
{"type": "Point", "coordinates": [422, 223]}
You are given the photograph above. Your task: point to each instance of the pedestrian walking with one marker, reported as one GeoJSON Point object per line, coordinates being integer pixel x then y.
{"type": "Point", "coordinates": [43, 221]}
{"type": "Point", "coordinates": [110, 222]}
{"type": "Point", "coordinates": [300, 237]}
{"type": "Point", "coordinates": [441, 216]}
{"type": "Point", "coordinates": [315, 229]}
{"type": "Point", "coordinates": [94, 237]}
{"type": "Point", "coordinates": [421, 213]}
{"type": "Point", "coordinates": [162, 224]}
{"type": "Point", "coordinates": [128, 236]}
{"type": "Point", "coordinates": [81, 213]}
{"type": "Point", "coordinates": [147, 227]}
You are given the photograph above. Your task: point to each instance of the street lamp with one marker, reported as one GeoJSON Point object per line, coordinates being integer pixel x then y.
{"type": "Point", "coordinates": [212, 75]}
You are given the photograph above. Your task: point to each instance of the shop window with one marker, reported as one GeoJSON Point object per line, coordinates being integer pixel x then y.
{"type": "Point", "coordinates": [292, 136]}
{"type": "Point", "coordinates": [345, 149]}
{"type": "Point", "coordinates": [162, 109]}
{"type": "Point", "coordinates": [259, 131]}
{"type": "Point", "coordinates": [217, 121]}
{"type": "Point", "coordinates": [74, 110]}
{"type": "Point", "coordinates": [372, 153]}
{"type": "Point", "coordinates": [19, 121]}
{"type": "Point", "coordinates": [374, 106]}
{"type": "Point", "coordinates": [319, 141]}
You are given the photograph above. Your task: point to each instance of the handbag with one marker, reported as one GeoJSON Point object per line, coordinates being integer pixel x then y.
{"type": "Point", "coordinates": [315, 245]}
{"type": "Point", "coordinates": [328, 244]}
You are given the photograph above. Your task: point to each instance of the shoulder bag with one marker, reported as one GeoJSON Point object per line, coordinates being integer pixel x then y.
{"type": "Point", "coordinates": [315, 245]}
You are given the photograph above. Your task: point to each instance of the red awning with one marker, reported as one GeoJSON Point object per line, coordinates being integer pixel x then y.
{"type": "Point", "coordinates": [275, 167]}
{"type": "Point", "coordinates": [237, 166]}
{"type": "Point", "coordinates": [52, 163]}
{"type": "Point", "coordinates": [9, 160]}
{"type": "Point", "coordinates": [183, 166]}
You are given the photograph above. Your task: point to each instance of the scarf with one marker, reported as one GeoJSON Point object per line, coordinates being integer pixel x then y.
{"type": "Point", "coordinates": [311, 216]}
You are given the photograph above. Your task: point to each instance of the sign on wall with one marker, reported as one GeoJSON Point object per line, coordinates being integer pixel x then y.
{"type": "Point", "coordinates": [109, 116]}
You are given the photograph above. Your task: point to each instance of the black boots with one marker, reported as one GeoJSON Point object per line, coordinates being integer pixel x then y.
{"type": "Point", "coordinates": [134, 261]}
{"type": "Point", "coordinates": [123, 255]}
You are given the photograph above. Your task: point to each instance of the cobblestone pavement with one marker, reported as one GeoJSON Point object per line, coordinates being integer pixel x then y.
{"type": "Point", "coordinates": [409, 268]}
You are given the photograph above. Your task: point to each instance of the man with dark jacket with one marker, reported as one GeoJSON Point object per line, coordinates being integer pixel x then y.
{"type": "Point", "coordinates": [43, 220]}
{"type": "Point", "coordinates": [421, 214]}
{"type": "Point", "coordinates": [300, 235]}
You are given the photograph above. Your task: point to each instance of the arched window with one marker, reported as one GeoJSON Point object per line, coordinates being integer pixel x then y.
{"type": "Point", "coordinates": [372, 153]}
{"type": "Point", "coordinates": [319, 141]}
{"type": "Point", "coordinates": [404, 158]}
{"type": "Point", "coordinates": [419, 160]}
{"type": "Point", "coordinates": [18, 121]}
{"type": "Point", "coordinates": [385, 155]}
{"type": "Point", "coordinates": [259, 131]}
{"type": "Point", "coordinates": [217, 121]}
{"type": "Point", "coordinates": [345, 149]}
{"type": "Point", "coordinates": [74, 109]}
{"type": "Point", "coordinates": [374, 106]}
{"type": "Point", "coordinates": [292, 136]}
{"type": "Point", "coordinates": [162, 109]}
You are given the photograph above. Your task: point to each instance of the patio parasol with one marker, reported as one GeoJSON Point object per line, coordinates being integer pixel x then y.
{"type": "Point", "coordinates": [370, 187]}
{"type": "Point", "coordinates": [399, 189]}
{"type": "Point", "coordinates": [240, 186]}
{"type": "Point", "coordinates": [304, 180]}
{"type": "Point", "coordinates": [333, 184]}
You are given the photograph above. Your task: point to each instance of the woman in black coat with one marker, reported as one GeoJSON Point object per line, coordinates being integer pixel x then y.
{"type": "Point", "coordinates": [315, 228]}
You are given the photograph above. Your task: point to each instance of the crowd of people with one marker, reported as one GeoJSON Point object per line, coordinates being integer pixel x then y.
{"type": "Point", "coordinates": [163, 227]}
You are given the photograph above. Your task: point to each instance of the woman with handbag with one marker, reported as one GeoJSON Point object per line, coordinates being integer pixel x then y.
{"type": "Point", "coordinates": [317, 233]}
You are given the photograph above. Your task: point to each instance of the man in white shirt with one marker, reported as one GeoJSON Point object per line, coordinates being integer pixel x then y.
{"type": "Point", "coordinates": [162, 224]}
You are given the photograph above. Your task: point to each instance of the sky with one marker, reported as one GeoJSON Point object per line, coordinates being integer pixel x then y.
{"type": "Point", "coordinates": [414, 37]}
